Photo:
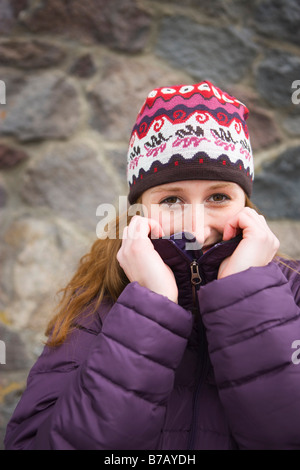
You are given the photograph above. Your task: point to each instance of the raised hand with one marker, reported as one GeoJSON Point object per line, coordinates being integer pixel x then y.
{"type": "Point", "coordinates": [141, 262]}
{"type": "Point", "coordinates": [258, 246]}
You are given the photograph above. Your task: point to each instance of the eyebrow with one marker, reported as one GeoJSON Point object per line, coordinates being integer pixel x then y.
{"type": "Point", "coordinates": [220, 185]}
{"type": "Point", "coordinates": [168, 190]}
{"type": "Point", "coordinates": [213, 187]}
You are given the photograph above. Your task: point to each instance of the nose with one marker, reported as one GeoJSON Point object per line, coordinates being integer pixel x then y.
{"type": "Point", "coordinates": [196, 222]}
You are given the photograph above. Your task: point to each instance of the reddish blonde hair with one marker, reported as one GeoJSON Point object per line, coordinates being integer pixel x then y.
{"type": "Point", "coordinates": [98, 276]}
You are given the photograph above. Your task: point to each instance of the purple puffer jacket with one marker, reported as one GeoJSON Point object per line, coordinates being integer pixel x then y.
{"type": "Point", "coordinates": [146, 373]}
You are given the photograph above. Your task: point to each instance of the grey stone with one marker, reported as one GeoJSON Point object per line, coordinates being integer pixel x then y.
{"type": "Point", "coordinates": [292, 123]}
{"type": "Point", "coordinates": [278, 19]}
{"type": "Point", "coordinates": [221, 55]}
{"type": "Point", "coordinates": [38, 256]}
{"type": "Point", "coordinates": [3, 196]}
{"type": "Point", "coordinates": [72, 181]}
{"type": "Point", "coordinates": [225, 10]}
{"type": "Point", "coordinates": [10, 157]}
{"type": "Point", "coordinates": [117, 95]}
{"type": "Point", "coordinates": [84, 66]}
{"type": "Point", "coordinates": [288, 233]}
{"type": "Point", "coordinates": [7, 20]}
{"type": "Point", "coordinates": [41, 106]}
{"type": "Point", "coordinates": [276, 189]}
{"type": "Point", "coordinates": [275, 76]}
{"type": "Point", "coordinates": [263, 128]}
{"type": "Point", "coordinates": [30, 54]}
{"type": "Point", "coordinates": [120, 24]}
{"type": "Point", "coordinates": [12, 385]}
{"type": "Point", "coordinates": [18, 6]}
{"type": "Point", "coordinates": [215, 8]}
{"type": "Point", "coordinates": [16, 355]}
{"type": "Point", "coordinates": [9, 12]}
{"type": "Point", "coordinates": [14, 81]}
{"type": "Point", "coordinates": [118, 158]}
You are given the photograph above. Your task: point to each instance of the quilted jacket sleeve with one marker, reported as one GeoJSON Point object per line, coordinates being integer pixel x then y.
{"type": "Point", "coordinates": [114, 399]}
{"type": "Point", "coordinates": [251, 325]}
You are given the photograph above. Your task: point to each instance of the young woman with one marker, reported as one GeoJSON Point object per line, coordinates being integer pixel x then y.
{"type": "Point", "coordinates": [179, 333]}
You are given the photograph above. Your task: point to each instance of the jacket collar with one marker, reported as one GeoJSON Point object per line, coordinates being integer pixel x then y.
{"type": "Point", "coordinates": [174, 252]}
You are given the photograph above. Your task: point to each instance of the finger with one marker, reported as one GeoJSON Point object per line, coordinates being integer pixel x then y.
{"type": "Point", "coordinates": [125, 233]}
{"type": "Point", "coordinates": [238, 222]}
{"type": "Point", "coordinates": [231, 229]}
{"type": "Point", "coordinates": [156, 230]}
{"type": "Point", "coordinates": [142, 227]}
{"type": "Point", "coordinates": [138, 228]}
{"type": "Point", "coordinates": [249, 222]}
{"type": "Point", "coordinates": [229, 232]}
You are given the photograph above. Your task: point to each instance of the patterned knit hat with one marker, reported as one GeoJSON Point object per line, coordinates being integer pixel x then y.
{"type": "Point", "coordinates": [189, 132]}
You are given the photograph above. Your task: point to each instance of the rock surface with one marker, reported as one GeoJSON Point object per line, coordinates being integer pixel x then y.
{"type": "Point", "coordinates": [76, 74]}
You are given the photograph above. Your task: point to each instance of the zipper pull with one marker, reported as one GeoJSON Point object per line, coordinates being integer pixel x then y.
{"type": "Point", "coordinates": [195, 280]}
{"type": "Point", "coordinates": [195, 276]}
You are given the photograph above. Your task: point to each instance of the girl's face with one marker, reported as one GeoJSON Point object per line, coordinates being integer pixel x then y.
{"type": "Point", "coordinates": [200, 207]}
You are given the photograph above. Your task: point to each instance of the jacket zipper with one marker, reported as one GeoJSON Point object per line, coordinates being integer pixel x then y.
{"type": "Point", "coordinates": [196, 280]}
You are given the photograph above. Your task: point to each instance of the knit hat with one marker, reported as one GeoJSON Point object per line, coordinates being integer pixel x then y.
{"type": "Point", "coordinates": [189, 132]}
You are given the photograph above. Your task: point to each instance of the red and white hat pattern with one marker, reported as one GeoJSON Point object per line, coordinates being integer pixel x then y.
{"type": "Point", "coordinates": [189, 132]}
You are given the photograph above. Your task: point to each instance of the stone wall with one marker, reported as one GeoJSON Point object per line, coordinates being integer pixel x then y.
{"type": "Point", "coordinates": [76, 73]}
